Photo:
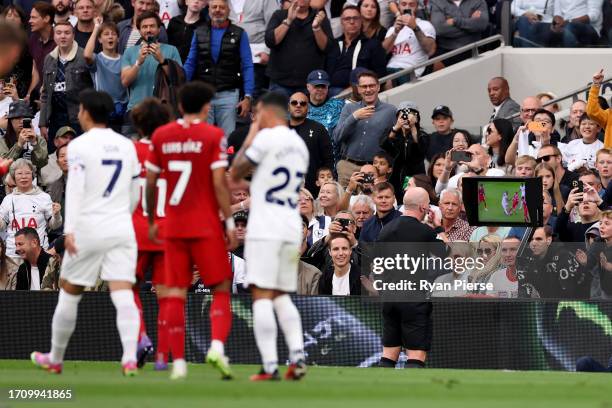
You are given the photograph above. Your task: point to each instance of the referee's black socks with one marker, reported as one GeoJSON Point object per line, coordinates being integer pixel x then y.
{"type": "Point", "coordinates": [414, 364]}
{"type": "Point", "coordinates": [386, 363]}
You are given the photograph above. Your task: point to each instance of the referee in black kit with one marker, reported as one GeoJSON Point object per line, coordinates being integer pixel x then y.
{"type": "Point", "coordinates": [408, 324]}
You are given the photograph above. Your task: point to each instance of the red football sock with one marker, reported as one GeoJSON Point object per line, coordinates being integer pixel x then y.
{"type": "Point", "coordinates": [176, 326]}
{"type": "Point", "coordinates": [143, 328]}
{"type": "Point", "coordinates": [162, 330]}
{"type": "Point", "coordinates": [220, 316]}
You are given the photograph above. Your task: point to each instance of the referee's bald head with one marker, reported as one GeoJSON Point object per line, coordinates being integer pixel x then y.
{"type": "Point", "coordinates": [415, 197]}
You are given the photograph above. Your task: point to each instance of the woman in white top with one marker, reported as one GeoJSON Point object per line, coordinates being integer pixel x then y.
{"type": "Point", "coordinates": [26, 206]}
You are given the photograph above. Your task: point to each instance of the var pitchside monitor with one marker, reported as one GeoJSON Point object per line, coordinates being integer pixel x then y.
{"type": "Point", "coordinates": [503, 201]}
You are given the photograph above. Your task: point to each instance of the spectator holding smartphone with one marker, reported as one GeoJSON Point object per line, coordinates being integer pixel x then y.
{"type": "Point", "coordinates": [139, 63]}
{"type": "Point", "coordinates": [411, 40]}
{"type": "Point", "coordinates": [20, 139]}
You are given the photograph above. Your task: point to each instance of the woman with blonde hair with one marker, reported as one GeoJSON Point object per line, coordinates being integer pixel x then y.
{"type": "Point", "coordinates": [551, 184]}
{"type": "Point", "coordinates": [489, 250]}
{"type": "Point", "coordinates": [329, 199]}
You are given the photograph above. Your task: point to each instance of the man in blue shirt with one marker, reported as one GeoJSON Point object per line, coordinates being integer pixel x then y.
{"type": "Point", "coordinates": [139, 63]}
{"type": "Point", "coordinates": [220, 55]}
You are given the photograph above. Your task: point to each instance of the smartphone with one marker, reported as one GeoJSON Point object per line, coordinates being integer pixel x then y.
{"type": "Point", "coordinates": [27, 123]}
{"type": "Point", "coordinates": [536, 127]}
{"type": "Point", "coordinates": [578, 184]}
{"type": "Point", "coordinates": [368, 178]}
{"type": "Point", "coordinates": [151, 39]}
{"type": "Point", "coordinates": [344, 222]}
{"type": "Point", "coordinates": [405, 115]}
{"type": "Point", "coordinates": [408, 12]}
{"type": "Point", "coordinates": [461, 156]}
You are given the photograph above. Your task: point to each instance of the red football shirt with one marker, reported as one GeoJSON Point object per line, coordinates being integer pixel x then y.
{"type": "Point", "coordinates": [187, 154]}
{"type": "Point", "coordinates": [140, 216]}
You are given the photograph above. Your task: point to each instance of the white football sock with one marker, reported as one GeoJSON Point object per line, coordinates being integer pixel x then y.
{"type": "Point", "coordinates": [217, 345]}
{"type": "Point", "coordinates": [63, 324]}
{"type": "Point", "coordinates": [128, 322]}
{"type": "Point", "coordinates": [264, 326]}
{"type": "Point", "coordinates": [291, 325]}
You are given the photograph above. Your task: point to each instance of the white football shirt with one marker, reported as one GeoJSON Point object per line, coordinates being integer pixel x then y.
{"type": "Point", "coordinates": [577, 150]}
{"type": "Point", "coordinates": [18, 210]}
{"type": "Point", "coordinates": [101, 167]}
{"type": "Point", "coordinates": [407, 50]}
{"type": "Point", "coordinates": [167, 10]}
{"type": "Point", "coordinates": [282, 161]}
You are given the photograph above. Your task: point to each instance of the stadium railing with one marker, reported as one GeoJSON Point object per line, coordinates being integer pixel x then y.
{"type": "Point", "coordinates": [409, 72]}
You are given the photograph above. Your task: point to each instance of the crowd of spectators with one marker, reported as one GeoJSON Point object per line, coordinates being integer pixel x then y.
{"type": "Point", "coordinates": [365, 154]}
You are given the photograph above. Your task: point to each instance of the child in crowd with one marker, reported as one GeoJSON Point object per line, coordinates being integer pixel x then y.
{"type": "Point", "coordinates": [106, 67]}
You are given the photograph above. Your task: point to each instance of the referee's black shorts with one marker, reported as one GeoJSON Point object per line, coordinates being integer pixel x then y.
{"type": "Point", "coordinates": [408, 325]}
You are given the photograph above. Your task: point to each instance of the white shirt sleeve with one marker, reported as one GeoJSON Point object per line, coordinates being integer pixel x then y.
{"type": "Point", "coordinates": [427, 28]}
{"type": "Point", "coordinates": [135, 184]}
{"type": "Point", "coordinates": [258, 149]}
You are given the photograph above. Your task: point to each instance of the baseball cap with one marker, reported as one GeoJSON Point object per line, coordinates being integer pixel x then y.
{"type": "Point", "coordinates": [355, 75]}
{"type": "Point", "coordinates": [407, 105]}
{"type": "Point", "coordinates": [442, 110]}
{"type": "Point", "coordinates": [241, 216]}
{"type": "Point", "coordinates": [19, 109]}
{"type": "Point", "coordinates": [64, 130]}
{"type": "Point", "coordinates": [318, 77]}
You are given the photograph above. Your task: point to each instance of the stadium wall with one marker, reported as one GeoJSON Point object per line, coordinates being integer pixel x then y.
{"type": "Point", "coordinates": [339, 331]}
{"type": "Point", "coordinates": [463, 87]}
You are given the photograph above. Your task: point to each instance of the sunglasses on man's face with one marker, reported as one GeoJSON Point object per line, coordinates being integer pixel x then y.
{"type": "Point", "coordinates": [545, 158]}
{"type": "Point", "coordinates": [298, 103]}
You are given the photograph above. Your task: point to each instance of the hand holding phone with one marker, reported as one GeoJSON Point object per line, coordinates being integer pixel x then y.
{"type": "Point", "coordinates": [461, 156]}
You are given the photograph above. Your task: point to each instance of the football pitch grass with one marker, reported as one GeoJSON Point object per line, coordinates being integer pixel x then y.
{"type": "Point", "coordinates": [495, 211]}
{"type": "Point", "coordinates": [102, 385]}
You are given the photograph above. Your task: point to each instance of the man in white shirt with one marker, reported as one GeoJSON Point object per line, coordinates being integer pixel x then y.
{"type": "Point", "coordinates": [504, 280]}
{"type": "Point", "coordinates": [577, 23]}
{"type": "Point", "coordinates": [529, 15]}
{"type": "Point", "coordinates": [101, 192]}
{"type": "Point", "coordinates": [411, 41]}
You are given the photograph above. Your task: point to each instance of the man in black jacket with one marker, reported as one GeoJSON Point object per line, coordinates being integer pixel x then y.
{"type": "Point", "coordinates": [406, 324]}
{"type": "Point", "coordinates": [314, 135]}
{"type": "Point", "coordinates": [342, 278]}
{"type": "Point", "coordinates": [35, 259]}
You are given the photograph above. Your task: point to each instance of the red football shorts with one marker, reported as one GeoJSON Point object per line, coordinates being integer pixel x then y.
{"type": "Point", "coordinates": [208, 254]}
{"type": "Point", "coordinates": [150, 258]}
